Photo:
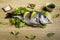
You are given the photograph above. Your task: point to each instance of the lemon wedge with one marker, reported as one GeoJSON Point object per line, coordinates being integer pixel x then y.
{"type": "Point", "coordinates": [33, 13]}
{"type": "Point", "coordinates": [25, 14]}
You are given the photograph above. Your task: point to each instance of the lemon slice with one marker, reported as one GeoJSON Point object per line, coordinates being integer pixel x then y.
{"type": "Point", "coordinates": [25, 14]}
{"type": "Point", "coordinates": [33, 13]}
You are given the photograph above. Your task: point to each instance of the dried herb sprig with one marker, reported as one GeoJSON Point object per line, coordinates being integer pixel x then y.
{"type": "Point", "coordinates": [15, 33]}
{"type": "Point", "coordinates": [31, 37]}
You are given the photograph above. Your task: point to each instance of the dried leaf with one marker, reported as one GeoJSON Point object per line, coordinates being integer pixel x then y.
{"type": "Point", "coordinates": [50, 34]}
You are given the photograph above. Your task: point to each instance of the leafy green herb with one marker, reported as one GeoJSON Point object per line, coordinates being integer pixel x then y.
{"type": "Point", "coordinates": [31, 37]}
{"type": "Point", "coordinates": [50, 34]}
{"type": "Point", "coordinates": [17, 22]}
{"type": "Point", "coordinates": [12, 20]}
{"type": "Point", "coordinates": [45, 13]}
{"type": "Point", "coordinates": [20, 10]}
{"type": "Point", "coordinates": [22, 24]}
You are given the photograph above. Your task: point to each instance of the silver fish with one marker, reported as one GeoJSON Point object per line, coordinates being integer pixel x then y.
{"type": "Point", "coordinates": [36, 20]}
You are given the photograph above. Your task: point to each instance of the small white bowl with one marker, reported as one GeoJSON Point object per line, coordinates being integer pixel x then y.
{"type": "Point", "coordinates": [7, 8]}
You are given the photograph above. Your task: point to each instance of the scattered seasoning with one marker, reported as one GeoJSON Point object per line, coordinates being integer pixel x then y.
{"type": "Point", "coordinates": [31, 37]}
{"type": "Point", "coordinates": [50, 34]}
{"type": "Point", "coordinates": [3, 23]}
{"type": "Point", "coordinates": [31, 6]}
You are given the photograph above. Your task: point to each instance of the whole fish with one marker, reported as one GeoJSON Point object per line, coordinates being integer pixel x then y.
{"type": "Point", "coordinates": [33, 18]}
